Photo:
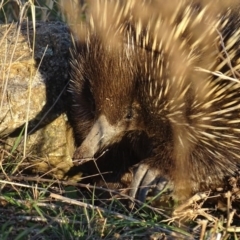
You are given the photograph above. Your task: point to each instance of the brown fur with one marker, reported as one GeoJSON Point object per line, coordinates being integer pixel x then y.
{"type": "Point", "coordinates": [103, 83]}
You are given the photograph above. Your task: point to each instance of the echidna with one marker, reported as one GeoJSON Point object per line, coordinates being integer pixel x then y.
{"type": "Point", "coordinates": [172, 74]}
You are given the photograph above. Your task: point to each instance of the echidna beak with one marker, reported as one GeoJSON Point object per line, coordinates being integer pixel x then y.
{"type": "Point", "coordinates": [101, 135]}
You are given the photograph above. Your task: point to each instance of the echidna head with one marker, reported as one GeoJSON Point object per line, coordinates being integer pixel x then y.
{"type": "Point", "coordinates": [110, 76]}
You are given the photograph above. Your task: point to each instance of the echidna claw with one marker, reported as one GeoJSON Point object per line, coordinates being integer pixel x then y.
{"type": "Point", "coordinates": [144, 179]}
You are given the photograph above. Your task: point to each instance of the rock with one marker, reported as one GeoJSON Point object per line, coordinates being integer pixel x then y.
{"type": "Point", "coordinates": [33, 80]}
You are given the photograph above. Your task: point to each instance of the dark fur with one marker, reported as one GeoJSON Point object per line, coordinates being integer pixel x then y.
{"type": "Point", "coordinates": [89, 89]}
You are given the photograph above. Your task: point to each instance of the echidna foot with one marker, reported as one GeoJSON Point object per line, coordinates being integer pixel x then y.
{"type": "Point", "coordinates": [144, 179]}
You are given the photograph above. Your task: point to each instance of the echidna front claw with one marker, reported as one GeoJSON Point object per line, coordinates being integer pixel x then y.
{"type": "Point", "coordinates": [138, 175]}
{"type": "Point", "coordinates": [144, 179]}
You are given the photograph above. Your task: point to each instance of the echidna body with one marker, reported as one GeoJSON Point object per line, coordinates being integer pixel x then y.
{"type": "Point", "coordinates": [163, 78]}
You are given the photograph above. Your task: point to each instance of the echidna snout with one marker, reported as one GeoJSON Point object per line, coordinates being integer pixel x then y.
{"type": "Point", "coordinates": [103, 134]}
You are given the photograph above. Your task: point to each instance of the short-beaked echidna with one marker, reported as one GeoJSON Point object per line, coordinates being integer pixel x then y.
{"type": "Point", "coordinates": [172, 74]}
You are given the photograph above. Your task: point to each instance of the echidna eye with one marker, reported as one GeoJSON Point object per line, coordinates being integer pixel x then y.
{"type": "Point", "coordinates": [129, 115]}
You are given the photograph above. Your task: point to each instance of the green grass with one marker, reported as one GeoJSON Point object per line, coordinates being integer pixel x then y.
{"type": "Point", "coordinates": [53, 211]}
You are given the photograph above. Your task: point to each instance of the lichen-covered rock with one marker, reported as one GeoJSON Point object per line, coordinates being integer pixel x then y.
{"type": "Point", "coordinates": [33, 80]}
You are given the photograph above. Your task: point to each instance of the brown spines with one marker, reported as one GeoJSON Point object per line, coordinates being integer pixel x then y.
{"type": "Point", "coordinates": [193, 115]}
{"type": "Point", "coordinates": [159, 75]}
